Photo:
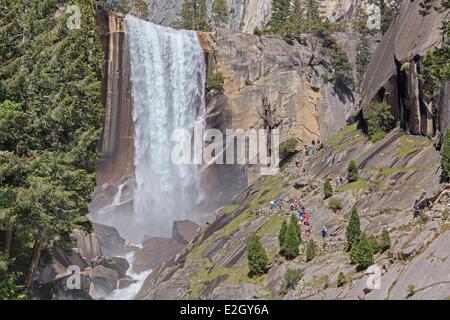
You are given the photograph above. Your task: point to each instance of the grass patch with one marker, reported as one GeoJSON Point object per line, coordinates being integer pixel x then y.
{"type": "Point", "coordinates": [393, 170]}
{"type": "Point", "coordinates": [231, 208]}
{"type": "Point", "coordinates": [345, 138]}
{"type": "Point", "coordinates": [354, 186]}
{"type": "Point", "coordinates": [273, 224]}
{"type": "Point", "coordinates": [409, 145]}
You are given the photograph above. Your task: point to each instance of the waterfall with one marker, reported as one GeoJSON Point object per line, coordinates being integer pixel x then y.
{"type": "Point", "coordinates": [168, 75]}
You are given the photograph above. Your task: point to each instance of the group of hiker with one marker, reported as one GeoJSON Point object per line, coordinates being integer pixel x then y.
{"type": "Point", "coordinates": [301, 214]}
{"type": "Point", "coordinates": [308, 152]}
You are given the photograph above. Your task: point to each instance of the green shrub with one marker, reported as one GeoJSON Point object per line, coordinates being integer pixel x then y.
{"type": "Point", "coordinates": [257, 259]}
{"type": "Point", "coordinates": [405, 66]}
{"type": "Point", "coordinates": [215, 82]}
{"type": "Point", "coordinates": [311, 250]}
{"type": "Point", "coordinates": [341, 279]}
{"type": "Point", "coordinates": [327, 189]}
{"type": "Point", "coordinates": [445, 156]}
{"type": "Point", "coordinates": [379, 120]}
{"type": "Point", "coordinates": [385, 243]}
{"type": "Point", "coordinates": [291, 278]}
{"type": "Point", "coordinates": [353, 231]}
{"type": "Point", "coordinates": [352, 172]}
{"type": "Point", "coordinates": [361, 254]}
{"type": "Point", "coordinates": [374, 243]}
{"type": "Point", "coordinates": [288, 149]}
{"type": "Point", "coordinates": [291, 243]}
{"type": "Point", "coordinates": [335, 204]}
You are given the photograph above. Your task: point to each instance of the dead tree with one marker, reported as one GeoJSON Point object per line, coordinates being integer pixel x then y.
{"type": "Point", "coordinates": [270, 121]}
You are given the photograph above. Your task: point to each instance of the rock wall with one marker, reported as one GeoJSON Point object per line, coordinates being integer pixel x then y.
{"type": "Point", "coordinates": [255, 66]}
{"type": "Point", "coordinates": [392, 71]}
{"type": "Point", "coordinates": [246, 15]}
{"type": "Point", "coordinates": [117, 142]}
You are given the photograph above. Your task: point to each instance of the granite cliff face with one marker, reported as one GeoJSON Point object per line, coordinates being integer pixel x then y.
{"type": "Point", "coordinates": [393, 72]}
{"type": "Point", "coordinates": [246, 15]}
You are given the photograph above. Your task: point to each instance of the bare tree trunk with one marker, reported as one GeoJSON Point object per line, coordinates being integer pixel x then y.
{"type": "Point", "coordinates": [8, 240]}
{"type": "Point", "coordinates": [37, 249]}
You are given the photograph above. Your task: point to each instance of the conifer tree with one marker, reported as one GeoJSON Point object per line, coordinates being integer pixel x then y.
{"type": "Point", "coordinates": [257, 259]}
{"type": "Point", "coordinates": [291, 243]}
{"type": "Point", "coordinates": [327, 189]}
{"type": "Point", "coordinates": [194, 15]}
{"type": "Point", "coordinates": [385, 240]}
{"type": "Point", "coordinates": [282, 234]}
{"type": "Point", "coordinates": [294, 221]}
{"type": "Point", "coordinates": [361, 254]}
{"type": "Point", "coordinates": [220, 12]}
{"type": "Point", "coordinates": [353, 232]}
{"type": "Point", "coordinates": [310, 250]}
{"type": "Point", "coordinates": [281, 10]}
{"type": "Point", "coordinates": [352, 172]}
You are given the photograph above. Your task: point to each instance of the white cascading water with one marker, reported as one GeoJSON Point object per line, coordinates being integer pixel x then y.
{"type": "Point", "coordinates": [168, 75]}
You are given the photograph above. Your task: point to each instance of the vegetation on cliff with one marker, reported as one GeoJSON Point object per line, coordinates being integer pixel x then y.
{"type": "Point", "coordinates": [50, 123]}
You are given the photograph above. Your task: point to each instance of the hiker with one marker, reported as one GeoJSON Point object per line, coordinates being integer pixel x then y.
{"type": "Point", "coordinates": [324, 232]}
{"type": "Point", "coordinates": [307, 229]}
{"type": "Point", "coordinates": [313, 150]}
{"type": "Point", "coordinates": [306, 219]}
{"type": "Point", "coordinates": [306, 150]}
{"type": "Point", "coordinates": [292, 205]}
{"type": "Point", "coordinates": [280, 204]}
{"type": "Point", "coordinates": [272, 204]}
{"type": "Point", "coordinates": [338, 182]}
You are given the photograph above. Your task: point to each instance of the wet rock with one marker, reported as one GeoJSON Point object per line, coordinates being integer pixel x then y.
{"type": "Point", "coordinates": [184, 231]}
{"type": "Point", "coordinates": [105, 280]}
{"type": "Point", "coordinates": [126, 282]}
{"type": "Point", "coordinates": [154, 251]}
{"type": "Point", "coordinates": [120, 265]}
{"type": "Point", "coordinates": [111, 243]}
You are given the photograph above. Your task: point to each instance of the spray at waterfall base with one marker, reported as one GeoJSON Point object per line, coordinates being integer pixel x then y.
{"type": "Point", "coordinates": [238, 147]}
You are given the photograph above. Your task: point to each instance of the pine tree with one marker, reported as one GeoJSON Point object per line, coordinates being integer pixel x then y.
{"type": "Point", "coordinates": [291, 243]}
{"type": "Point", "coordinates": [327, 189]}
{"type": "Point", "coordinates": [352, 172]}
{"type": "Point", "coordinates": [220, 12]}
{"type": "Point", "coordinates": [282, 234]}
{"type": "Point", "coordinates": [310, 250]}
{"type": "Point", "coordinates": [257, 259]}
{"type": "Point", "coordinates": [313, 15]}
{"type": "Point", "coordinates": [194, 15]}
{"type": "Point", "coordinates": [361, 254]}
{"type": "Point", "coordinates": [385, 240]}
{"type": "Point", "coordinates": [280, 14]}
{"type": "Point", "coordinates": [353, 232]}
{"type": "Point", "coordinates": [294, 222]}
{"type": "Point", "coordinates": [445, 156]}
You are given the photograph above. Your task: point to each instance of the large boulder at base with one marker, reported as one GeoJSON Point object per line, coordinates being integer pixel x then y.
{"type": "Point", "coordinates": [110, 240]}
{"type": "Point", "coordinates": [126, 282]}
{"type": "Point", "coordinates": [184, 231]}
{"type": "Point", "coordinates": [105, 280]}
{"type": "Point", "coordinates": [120, 265]}
{"type": "Point", "coordinates": [58, 289]}
{"type": "Point", "coordinates": [154, 251]}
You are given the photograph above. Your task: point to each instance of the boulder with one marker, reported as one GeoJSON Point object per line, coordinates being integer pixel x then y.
{"type": "Point", "coordinates": [244, 291]}
{"type": "Point", "coordinates": [88, 245]}
{"type": "Point", "coordinates": [120, 265]}
{"type": "Point", "coordinates": [109, 239]}
{"type": "Point", "coordinates": [154, 251]}
{"type": "Point", "coordinates": [184, 231]}
{"type": "Point", "coordinates": [105, 280]}
{"type": "Point", "coordinates": [126, 282]}
{"type": "Point", "coordinates": [275, 279]}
